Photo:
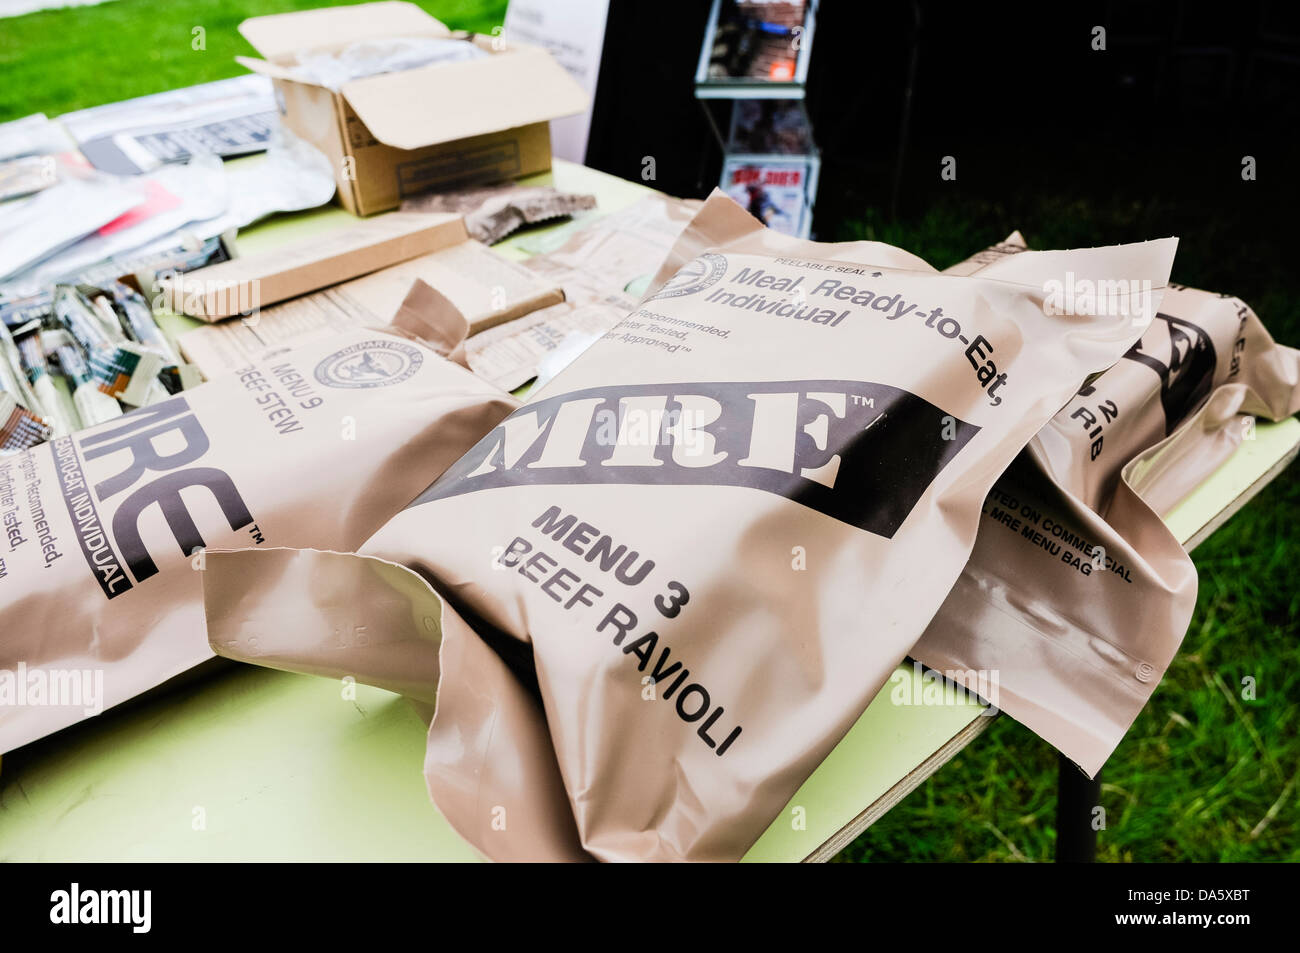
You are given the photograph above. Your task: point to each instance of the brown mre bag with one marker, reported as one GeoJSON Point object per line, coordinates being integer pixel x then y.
{"type": "Point", "coordinates": [1077, 596]}
{"type": "Point", "coordinates": [676, 577]}
{"type": "Point", "coordinates": [100, 599]}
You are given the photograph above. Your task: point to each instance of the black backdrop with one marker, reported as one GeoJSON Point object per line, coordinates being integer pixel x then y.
{"type": "Point", "coordinates": [1015, 92]}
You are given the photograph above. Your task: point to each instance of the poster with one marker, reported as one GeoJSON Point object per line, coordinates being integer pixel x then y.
{"type": "Point", "coordinates": [777, 190]}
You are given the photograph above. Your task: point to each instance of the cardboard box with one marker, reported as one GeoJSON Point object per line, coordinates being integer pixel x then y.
{"type": "Point", "coordinates": [398, 134]}
{"type": "Point", "coordinates": [488, 289]}
{"type": "Point", "coordinates": [485, 287]}
{"type": "Point", "coordinates": [242, 286]}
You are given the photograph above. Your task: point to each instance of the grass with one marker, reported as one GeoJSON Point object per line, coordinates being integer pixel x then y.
{"type": "Point", "coordinates": [1204, 774]}
{"type": "Point", "coordinates": [56, 61]}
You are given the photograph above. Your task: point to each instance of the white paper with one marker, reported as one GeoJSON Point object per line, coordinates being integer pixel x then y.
{"type": "Point", "coordinates": [574, 33]}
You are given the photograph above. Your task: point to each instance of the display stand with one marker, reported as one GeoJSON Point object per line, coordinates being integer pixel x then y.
{"type": "Point", "coordinates": [751, 81]}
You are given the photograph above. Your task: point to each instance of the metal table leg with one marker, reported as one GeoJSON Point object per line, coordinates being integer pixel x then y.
{"type": "Point", "coordinates": [1076, 799]}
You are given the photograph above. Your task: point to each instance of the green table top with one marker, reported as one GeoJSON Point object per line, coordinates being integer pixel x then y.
{"type": "Point", "coordinates": [254, 764]}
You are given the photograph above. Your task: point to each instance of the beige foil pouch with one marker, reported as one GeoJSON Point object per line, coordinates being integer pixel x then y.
{"type": "Point", "coordinates": [1077, 596]}
{"type": "Point", "coordinates": [100, 592]}
{"type": "Point", "coordinates": [675, 577]}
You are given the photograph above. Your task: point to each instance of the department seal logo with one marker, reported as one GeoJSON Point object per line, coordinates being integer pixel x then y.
{"type": "Point", "coordinates": [370, 364]}
{"type": "Point", "coordinates": [696, 275]}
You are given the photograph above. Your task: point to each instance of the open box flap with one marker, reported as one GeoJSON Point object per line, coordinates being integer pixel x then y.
{"type": "Point", "coordinates": [449, 101]}
{"type": "Point", "coordinates": [280, 36]}
{"type": "Point", "coordinates": [265, 68]}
